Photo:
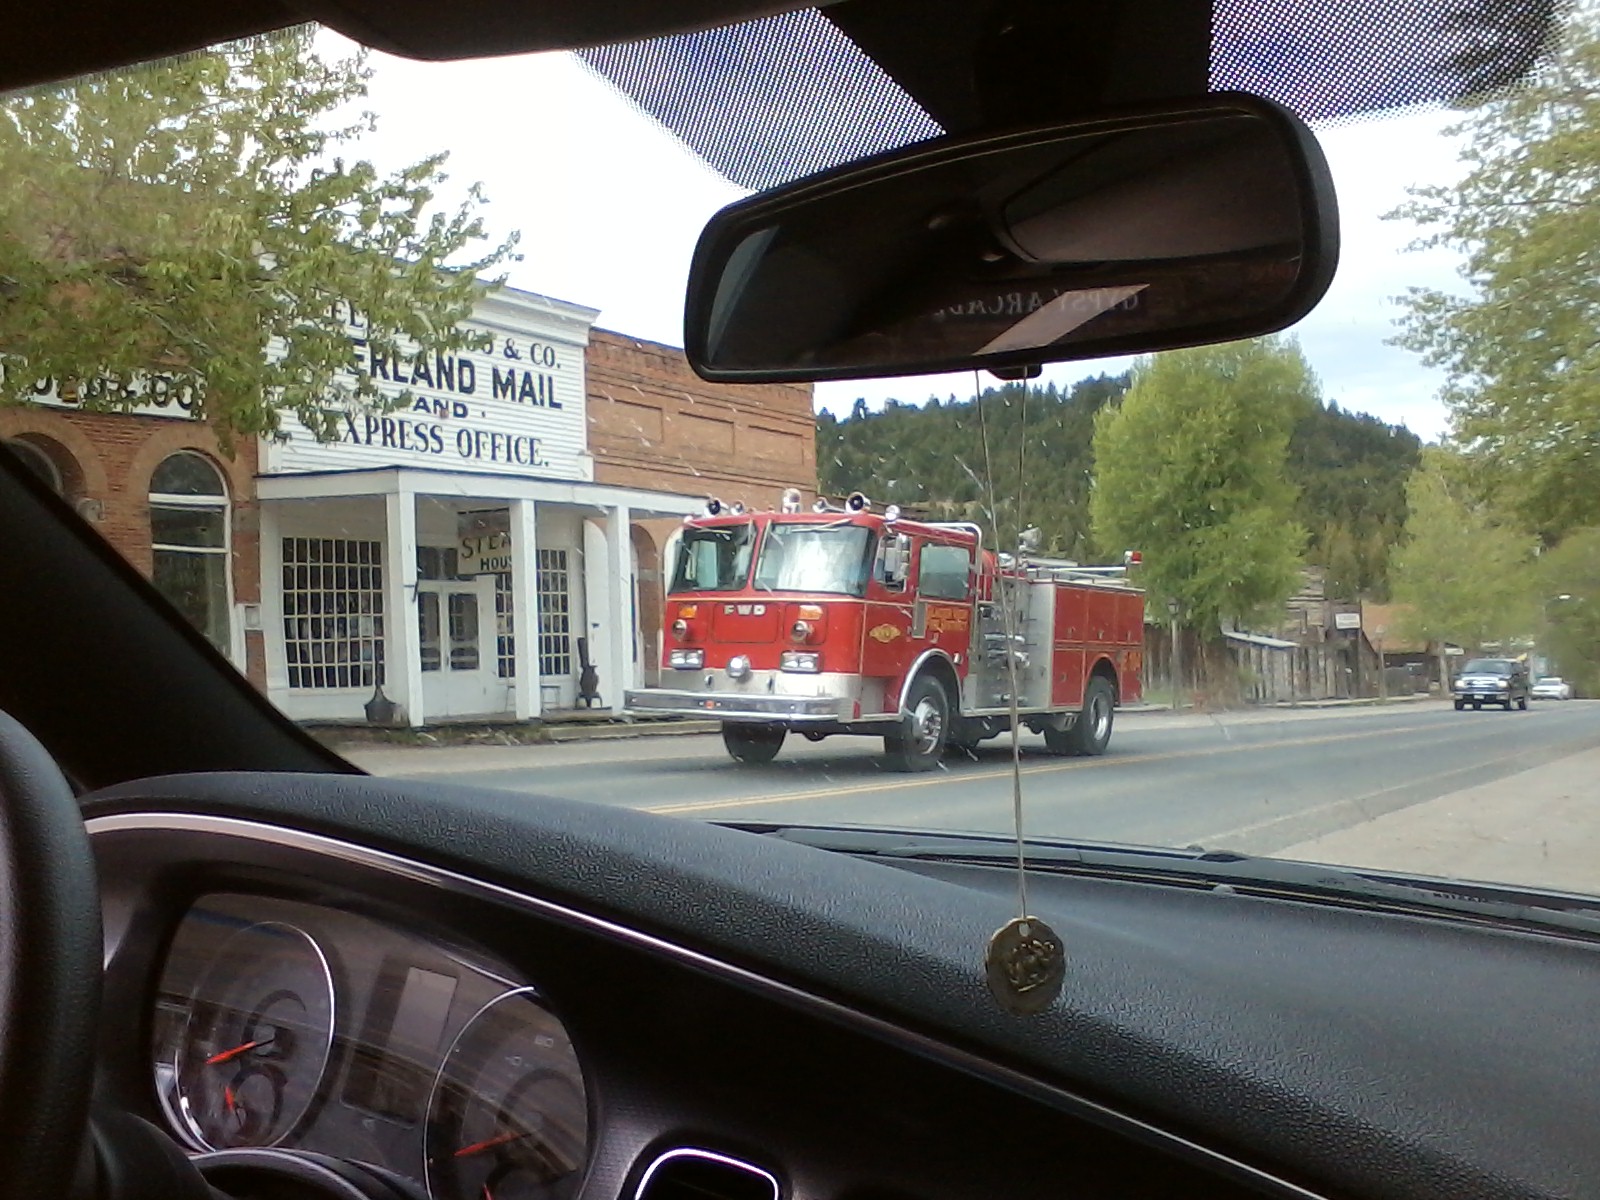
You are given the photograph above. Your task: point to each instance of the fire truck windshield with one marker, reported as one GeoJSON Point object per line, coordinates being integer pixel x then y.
{"type": "Point", "coordinates": [714, 560]}
{"type": "Point", "coordinates": [815, 558]}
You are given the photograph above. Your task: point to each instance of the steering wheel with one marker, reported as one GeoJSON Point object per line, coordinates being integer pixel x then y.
{"type": "Point", "coordinates": [50, 956]}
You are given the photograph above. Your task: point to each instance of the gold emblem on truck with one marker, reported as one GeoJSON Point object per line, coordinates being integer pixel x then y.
{"type": "Point", "coordinates": [884, 633]}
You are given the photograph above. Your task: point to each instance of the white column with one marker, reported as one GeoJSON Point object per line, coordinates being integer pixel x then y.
{"type": "Point", "coordinates": [525, 608]}
{"type": "Point", "coordinates": [619, 606]}
{"type": "Point", "coordinates": [272, 605]}
{"type": "Point", "coordinates": [401, 631]}
{"type": "Point", "coordinates": [597, 591]}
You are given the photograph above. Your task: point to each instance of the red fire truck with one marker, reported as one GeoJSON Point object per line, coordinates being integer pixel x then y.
{"type": "Point", "coordinates": [846, 620]}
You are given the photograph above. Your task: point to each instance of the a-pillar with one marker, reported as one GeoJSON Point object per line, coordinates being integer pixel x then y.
{"type": "Point", "coordinates": [526, 700]}
{"type": "Point", "coordinates": [402, 633]}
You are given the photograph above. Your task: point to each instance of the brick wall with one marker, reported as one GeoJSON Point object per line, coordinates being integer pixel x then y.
{"type": "Point", "coordinates": [654, 424]}
{"type": "Point", "coordinates": [106, 461]}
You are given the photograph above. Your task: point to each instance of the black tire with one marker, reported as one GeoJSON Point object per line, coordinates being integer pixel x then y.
{"type": "Point", "coordinates": [920, 747]}
{"type": "Point", "coordinates": [1091, 732]}
{"type": "Point", "coordinates": [752, 743]}
{"type": "Point", "coordinates": [1477, 706]}
{"type": "Point", "coordinates": [1460, 704]}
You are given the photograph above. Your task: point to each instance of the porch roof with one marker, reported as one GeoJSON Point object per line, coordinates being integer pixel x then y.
{"type": "Point", "coordinates": [470, 485]}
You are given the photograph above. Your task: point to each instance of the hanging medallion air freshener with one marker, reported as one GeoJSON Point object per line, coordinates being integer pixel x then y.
{"type": "Point", "coordinates": [1025, 966]}
{"type": "Point", "coordinates": [1025, 963]}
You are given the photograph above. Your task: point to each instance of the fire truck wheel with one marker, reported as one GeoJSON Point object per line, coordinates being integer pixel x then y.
{"type": "Point", "coordinates": [921, 746]}
{"type": "Point", "coordinates": [753, 743]}
{"type": "Point", "coordinates": [1091, 732]}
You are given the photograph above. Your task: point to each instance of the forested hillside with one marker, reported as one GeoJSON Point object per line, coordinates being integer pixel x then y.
{"type": "Point", "coordinates": [1351, 469]}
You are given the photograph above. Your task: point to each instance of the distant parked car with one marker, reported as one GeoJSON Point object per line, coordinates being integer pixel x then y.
{"type": "Point", "coordinates": [1551, 687]}
{"type": "Point", "coordinates": [1502, 681]}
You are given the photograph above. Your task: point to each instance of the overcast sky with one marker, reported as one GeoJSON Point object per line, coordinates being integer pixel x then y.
{"type": "Point", "coordinates": [610, 205]}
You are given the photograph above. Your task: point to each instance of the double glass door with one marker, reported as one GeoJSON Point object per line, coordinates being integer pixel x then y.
{"type": "Point", "coordinates": [456, 619]}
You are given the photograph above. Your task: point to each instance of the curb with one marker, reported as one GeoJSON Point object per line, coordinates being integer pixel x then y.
{"type": "Point", "coordinates": [540, 735]}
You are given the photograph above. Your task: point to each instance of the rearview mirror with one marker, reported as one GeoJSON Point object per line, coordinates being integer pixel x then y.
{"type": "Point", "coordinates": [1122, 234]}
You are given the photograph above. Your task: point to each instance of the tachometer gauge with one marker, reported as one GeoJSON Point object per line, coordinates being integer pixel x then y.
{"type": "Point", "coordinates": [508, 1118]}
{"type": "Point", "coordinates": [253, 1053]}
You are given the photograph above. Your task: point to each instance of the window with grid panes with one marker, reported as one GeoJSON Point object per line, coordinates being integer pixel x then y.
{"type": "Point", "coordinates": [555, 613]}
{"type": "Point", "coordinates": [505, 628]}
{"type": "Point", "coordinates": [333, 612]}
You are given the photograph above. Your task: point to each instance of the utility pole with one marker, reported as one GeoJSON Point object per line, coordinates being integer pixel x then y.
{"type": "Point", "coordinates": [1383, 669]}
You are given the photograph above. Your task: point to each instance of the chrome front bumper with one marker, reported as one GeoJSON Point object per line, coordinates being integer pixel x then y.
{"type": "Point", "coordinates": [739, 707]}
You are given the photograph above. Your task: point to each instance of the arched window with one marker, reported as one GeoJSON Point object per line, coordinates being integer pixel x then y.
{"type": "Point", "coordinates": [189, 541]}
{"type": "Point", "coordinates": [39, 462]}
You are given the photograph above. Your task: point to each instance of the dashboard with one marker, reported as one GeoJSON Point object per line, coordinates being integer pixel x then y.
{"type": "Point", "coordinates": [496, 997]}
{"type": "Point", "coordinates": [282, 1023]}
{"type": "Point", "coordinates": [307, 993]}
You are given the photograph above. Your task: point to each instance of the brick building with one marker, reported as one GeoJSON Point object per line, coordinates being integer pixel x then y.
{"type": "Point", "coordinates": [158, 488]}
{"type": "Point", "coordinates": [654, 423]}
{"type": "Point", "coordinates": [531, 488]}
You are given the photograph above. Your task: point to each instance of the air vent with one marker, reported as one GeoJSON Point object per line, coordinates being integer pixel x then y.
{"type": "Point", "coordinates": [702, 1175]}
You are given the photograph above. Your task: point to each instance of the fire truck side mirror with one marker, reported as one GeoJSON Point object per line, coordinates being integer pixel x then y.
{"type": "Point", "coordinates": [896, 560]}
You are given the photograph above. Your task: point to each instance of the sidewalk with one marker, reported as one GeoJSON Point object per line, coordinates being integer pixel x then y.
{"type": "Point", "coordinates": [1540, 827]}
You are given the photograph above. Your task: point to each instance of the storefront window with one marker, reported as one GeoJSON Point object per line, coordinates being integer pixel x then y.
{"type": "Point", "coordinates": [189, 543]}
{"type": "Point", "coordinates": [505, 628]}
{"type": "Point", "coordinates": [333, 612]}
{"type": "Point", "coordinates": [555, 614]}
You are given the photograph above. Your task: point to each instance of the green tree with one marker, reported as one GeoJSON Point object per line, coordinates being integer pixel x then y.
{"type": "Point", "coordinates": [1463, 577]}
{"type": "Point", "coordinates": [162, 230]}
{"type": "Point", "coordinates": [1522, 346]}
{"type": "Point", "coordinates": [1569, 579]}
{"type": "Point", "coordinates": [1190, 468]}
{"type": "Point", "coordinates": [1352, 470]}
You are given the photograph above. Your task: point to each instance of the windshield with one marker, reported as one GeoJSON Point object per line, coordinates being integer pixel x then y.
{"type": "Point", "coordinates": [713, 560]}
{"type": "Point", "coordinates": [453, 521]}
{"type": "Point", "coordinates": [815, 558]}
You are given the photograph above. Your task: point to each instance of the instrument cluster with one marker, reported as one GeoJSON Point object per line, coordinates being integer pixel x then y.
{"type": "Point", "coordinates": [280, 1023]}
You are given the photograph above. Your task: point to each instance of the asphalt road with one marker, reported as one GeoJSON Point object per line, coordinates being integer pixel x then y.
{"type": "Point", "coordinates": [1254, 782]}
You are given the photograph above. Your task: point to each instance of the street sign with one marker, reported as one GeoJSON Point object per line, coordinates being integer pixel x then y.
{"type": "Point", "coordinates": [1347, 620]}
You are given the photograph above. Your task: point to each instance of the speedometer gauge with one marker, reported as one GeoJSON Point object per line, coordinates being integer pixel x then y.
{"type": "Point", "coordinates": [508, 1118]}
{"type": "Point", "coordinates": [252, 1055]}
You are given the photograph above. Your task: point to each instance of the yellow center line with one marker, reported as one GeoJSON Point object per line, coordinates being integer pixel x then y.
{"type": "Point", "coordinates": [945, 777]}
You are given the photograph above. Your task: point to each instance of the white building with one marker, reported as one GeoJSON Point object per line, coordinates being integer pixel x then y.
{"type": "Point", "coordinates": [456, 551]}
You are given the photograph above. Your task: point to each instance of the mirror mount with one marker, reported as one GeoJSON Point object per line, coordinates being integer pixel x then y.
{"type": "Point", "coordinates": [1017, 374]}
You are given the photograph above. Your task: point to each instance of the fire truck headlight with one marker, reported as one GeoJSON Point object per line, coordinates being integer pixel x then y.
{"type": "Point", "coordinates": [680, 629]}
{"type": "Point", "coordinates": [686, 660]}
{"type": "Point", "coordinates": [801, 632]}
{"type": "Point", "coordinates": [808, 661]}
{"type": "Point", "coordinates": [738, 667]}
